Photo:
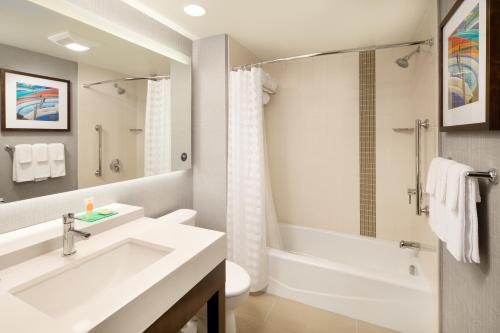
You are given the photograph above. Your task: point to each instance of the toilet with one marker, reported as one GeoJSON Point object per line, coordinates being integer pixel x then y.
{"type": "Point", "coordinates": [237, 278]}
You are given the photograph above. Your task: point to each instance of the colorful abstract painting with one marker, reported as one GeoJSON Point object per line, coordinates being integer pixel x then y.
{"type": "Point", "coordinates": [463, 62]}
{"type": "Point", "coordinates": [34, 102]}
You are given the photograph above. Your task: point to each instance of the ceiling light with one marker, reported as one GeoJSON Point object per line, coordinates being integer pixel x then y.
{"type": "Point", "coordinates": [72, 41]}
{"type": "Point", "coordinates": [194, 10]}
{"type": "Point", "coordinates": [77, 47]}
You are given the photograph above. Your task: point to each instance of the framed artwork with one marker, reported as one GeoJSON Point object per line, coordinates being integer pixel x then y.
{"type": "Point", "coordinates": [33, 102]}
{"type": "Point", "coordinates": [468, 71]}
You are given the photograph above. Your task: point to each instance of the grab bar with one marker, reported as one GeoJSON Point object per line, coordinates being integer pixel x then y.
{"type": "Point", "coordinates": [98, 172]}
{"type": "Point", "coordinates": [491, 175]}
{"type": "Point", "coordinates": [419, 124]}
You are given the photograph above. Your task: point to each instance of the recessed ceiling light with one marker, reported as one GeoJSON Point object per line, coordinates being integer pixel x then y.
{"type": "Point", "coordinates": [194, 10]}
{"type": "Point", "coordinates": [72, 41]}
{"type": "Point", "coordinates": [77, 47]}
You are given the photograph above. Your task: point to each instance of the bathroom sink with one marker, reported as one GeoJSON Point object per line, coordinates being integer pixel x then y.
{"type": "Point", "coordinates": [61, 292]}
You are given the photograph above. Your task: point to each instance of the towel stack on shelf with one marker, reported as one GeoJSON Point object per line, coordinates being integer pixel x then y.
{"type": "Point", "coordinates": [38, 162]}
{"type": "Point", "coordinates": [452, 208]}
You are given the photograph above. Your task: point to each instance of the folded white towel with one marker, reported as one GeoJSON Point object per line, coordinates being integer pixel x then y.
{"type": "Point", "coordinates": [452, 206]}
{"type": "Point", "coordinates": [442, 178]}
{"type": "Point", "coordinates": [453, 184]}
{"type": "Point", "coordinates": [268, 82]}
{"type": "Point", "coordinates": [23, 153]}
{"type": "Point", "coordinates": [430, 187]}
{"type": "Point", "coordinates": [41, 161]}
{"type": "Point", "coordinates": [22, 166]}
{"type": "Point", "coordinates": [57, 160]}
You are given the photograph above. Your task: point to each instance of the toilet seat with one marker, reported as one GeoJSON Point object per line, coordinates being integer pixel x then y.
{"type": "Point", "coordinates": [237, 280]}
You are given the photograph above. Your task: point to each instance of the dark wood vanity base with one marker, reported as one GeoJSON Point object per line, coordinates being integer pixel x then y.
{"type": "Point", "coordinates": [210, 291]}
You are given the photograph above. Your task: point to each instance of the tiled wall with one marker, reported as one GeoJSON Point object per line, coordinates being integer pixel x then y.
{"type": "Point", "coordinates": [367, 144]}
{"type": "Point", "coordinates": [312, 128]}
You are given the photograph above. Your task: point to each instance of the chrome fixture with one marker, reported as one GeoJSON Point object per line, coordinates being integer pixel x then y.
{"type": "Point", "coordinates": [115, 165]}
{"type": "Point", "coordinates": [412, 269]}
{"type": "Point", "coordinates": [119, 89]}
{"type": "Point", "coordinates": [98, 172]}
{"type": "Point", "coordinates": [417, 191]}
{"type": "Point", "coordinates": [9, 148]}
{"type": "Point", "coordinates": [409, 245]}
{"type": "Point", "coordinates": [403, 61]}
{"type": "Point", "coordinates": [154, 78]}
{"type": "Point", "coordinates": [69, 233]}
{"type": "Point", "coordinates": [403, 129]}
{"type": "Point", "coordinates": [428, 42]}
{"type": "Point", "coordinates": [491, 175]}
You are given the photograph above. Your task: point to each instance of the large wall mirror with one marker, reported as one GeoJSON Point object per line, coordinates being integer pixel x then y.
{"type": "Point", "coordinates": [81, 107]}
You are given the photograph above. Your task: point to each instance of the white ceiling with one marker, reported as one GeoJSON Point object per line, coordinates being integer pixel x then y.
{"type": "Point", "coordinates": [26, 25]}
{"type": "Point", "coordinates": [276, 28]}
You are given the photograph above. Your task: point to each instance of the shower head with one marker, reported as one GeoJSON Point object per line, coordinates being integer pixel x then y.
{"type": "Point", "coordinates": [119, 89]}
{"type": "Point", "coordinates": [403, 62]}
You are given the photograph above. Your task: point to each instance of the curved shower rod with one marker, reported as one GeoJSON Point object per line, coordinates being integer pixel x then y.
{"type": "Point", "coordinates": [428, 42]}
{"type": "Point", "coordinates": [156, 77]}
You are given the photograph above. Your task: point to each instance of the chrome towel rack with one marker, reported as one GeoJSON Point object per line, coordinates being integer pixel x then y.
{"type": "Point", "coordinates": [491, 175]}
{"type": "Point", "coordinates": [9, 148]}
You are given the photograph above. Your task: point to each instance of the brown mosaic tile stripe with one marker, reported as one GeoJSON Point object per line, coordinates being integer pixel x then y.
{"type": "Point", "coordinates": [367, 177]}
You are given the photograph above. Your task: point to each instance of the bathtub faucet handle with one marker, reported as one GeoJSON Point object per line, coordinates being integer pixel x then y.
{"type": "Point", "coordinates": [409, 245]}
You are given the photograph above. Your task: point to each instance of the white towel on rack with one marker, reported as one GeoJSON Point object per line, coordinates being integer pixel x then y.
{"type": "Point", "coordinates": [442, 178]}
{"type": "Point", "coordinates": [40, 161]}
{"type": "Point", "coordinates": [57, 160]}
{"type": "Point", "coordinates": [22, 166]}
{"type": "Point", "coordinates": [453, 215]}
{"type": "Point", "coordinates": [430, 187]}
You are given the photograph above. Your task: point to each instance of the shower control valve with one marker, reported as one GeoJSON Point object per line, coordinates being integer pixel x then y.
{"type": "Point", "coordinates": [411, 191]}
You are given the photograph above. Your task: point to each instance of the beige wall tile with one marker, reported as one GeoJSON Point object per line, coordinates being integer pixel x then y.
{"type": "Point", "coordinates": [311, 127]}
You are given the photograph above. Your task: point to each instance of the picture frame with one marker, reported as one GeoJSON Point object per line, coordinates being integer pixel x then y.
{"type": "Point", "coordinates": [469, 69]}
{"type": "Point", "coordinates": [31, 102]}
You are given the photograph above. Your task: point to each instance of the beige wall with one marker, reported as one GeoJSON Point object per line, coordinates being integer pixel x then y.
{"type": "Point", "coordinates": [238, 54]}
{"type": "Point", "coordinates": [312, 127]}
{"type": "Point", "coordinates": [117, 114]}
{"type": "Point", "coordinates": [404, 95]}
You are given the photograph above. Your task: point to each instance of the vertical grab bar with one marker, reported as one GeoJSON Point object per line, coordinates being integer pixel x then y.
{"type": "Point", "coordinates": [98, 172]}
{"type": "Point", "coordinates": [419, 124]}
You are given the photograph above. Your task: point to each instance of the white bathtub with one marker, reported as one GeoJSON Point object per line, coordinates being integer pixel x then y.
{"type": "Point", "coordinates": [359, 277]}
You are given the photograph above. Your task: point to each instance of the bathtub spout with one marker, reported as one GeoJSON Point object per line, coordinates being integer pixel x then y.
{"type": "Point", "coordinates": [409, 245]}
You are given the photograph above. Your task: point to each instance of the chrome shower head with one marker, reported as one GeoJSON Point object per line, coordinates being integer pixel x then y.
{"type": "Point", "coordinates": [403, 62]}
{"type": "Point", "coordinates": [119, 89]}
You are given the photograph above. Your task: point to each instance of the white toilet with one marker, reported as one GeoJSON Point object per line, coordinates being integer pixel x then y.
{"type": "Point", "coordinates": [237, 278]}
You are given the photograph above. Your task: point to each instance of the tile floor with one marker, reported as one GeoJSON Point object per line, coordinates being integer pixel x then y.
{"type": "Point", "coordinates": [267, 313]}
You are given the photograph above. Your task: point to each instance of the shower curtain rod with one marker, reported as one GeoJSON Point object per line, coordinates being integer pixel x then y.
{"type": "Point", "coordinates": [429, 42]}
{"type": "Point", "coordinates": [157, 77]}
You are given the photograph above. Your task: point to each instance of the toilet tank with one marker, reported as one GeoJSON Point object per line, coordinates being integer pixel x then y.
{"type": "Point", "coordinates": [184, 216]}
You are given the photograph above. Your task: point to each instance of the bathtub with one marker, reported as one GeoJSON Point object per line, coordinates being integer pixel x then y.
{"type": "Point", "coordinates": [359, 277]}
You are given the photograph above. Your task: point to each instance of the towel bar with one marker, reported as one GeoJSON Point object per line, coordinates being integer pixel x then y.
{"type": "Point", "coordinates": [9, 148]}
{"type": "Point", "coordinates": [491, 175]}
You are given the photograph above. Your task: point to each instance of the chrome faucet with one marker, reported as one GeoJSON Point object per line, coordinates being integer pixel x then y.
{"type": "Point", "coordinates": [409, 245]}
{"type": "Point", "coordinates": [69, 233]}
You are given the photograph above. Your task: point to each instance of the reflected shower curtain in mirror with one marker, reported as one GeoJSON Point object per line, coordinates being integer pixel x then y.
{"type": "Point", "coordinates": [247, 198]}
{"type": "Point", "coordinates": [157, 129]}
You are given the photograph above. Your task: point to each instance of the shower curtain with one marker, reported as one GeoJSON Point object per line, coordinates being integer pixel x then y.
{"type": "Point", "coordinates": [250, 209]}
{"type": "Point", "coordinates": [157, 129]}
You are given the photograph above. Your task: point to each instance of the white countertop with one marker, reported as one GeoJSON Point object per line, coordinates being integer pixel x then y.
{"type": "Point", "coordinates": [130, 306]}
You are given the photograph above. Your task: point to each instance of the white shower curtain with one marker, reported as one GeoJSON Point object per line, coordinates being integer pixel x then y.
{"type": "Point", "coordinates": [248, 202]}
{"type": "Point", "coordinates": [157, 129]}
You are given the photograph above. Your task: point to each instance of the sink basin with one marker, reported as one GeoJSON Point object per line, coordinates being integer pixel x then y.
{"type": "Point", "coordinates": [60, 292]}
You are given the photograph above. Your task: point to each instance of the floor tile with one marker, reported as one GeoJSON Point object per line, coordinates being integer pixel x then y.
{"type": "Point", "coordinates": [256, 308]}
{"type": "Point", "coordinates": [364, 327]}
